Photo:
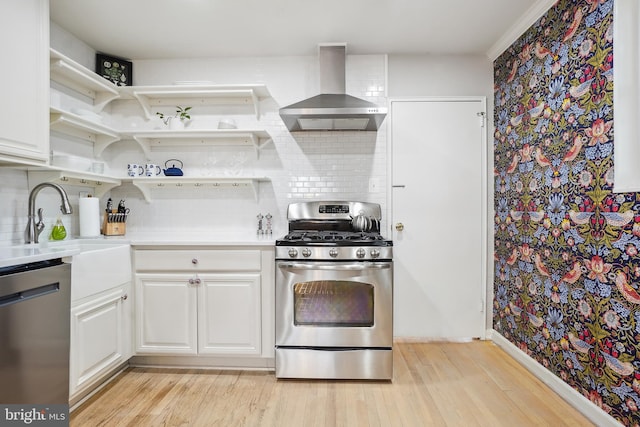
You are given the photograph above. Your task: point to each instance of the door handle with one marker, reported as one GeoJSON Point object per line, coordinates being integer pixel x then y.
{"type": "Point", "coordinates": [399, 226]}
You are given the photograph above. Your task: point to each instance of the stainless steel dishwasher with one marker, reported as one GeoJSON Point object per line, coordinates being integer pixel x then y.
{"type": "Point", "coordinates": [35, 301]}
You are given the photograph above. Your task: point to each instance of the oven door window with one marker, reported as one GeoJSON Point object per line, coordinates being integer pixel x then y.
{"type": "Point", "coordinates": [331, 303]}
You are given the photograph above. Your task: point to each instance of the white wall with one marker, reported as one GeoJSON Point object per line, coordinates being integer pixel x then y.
{"type": "Point", "coordinates": [440, 75]}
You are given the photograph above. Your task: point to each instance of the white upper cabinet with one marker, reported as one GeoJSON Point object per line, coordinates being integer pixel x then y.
{"type": "Point", "coordinates": [24, 81]}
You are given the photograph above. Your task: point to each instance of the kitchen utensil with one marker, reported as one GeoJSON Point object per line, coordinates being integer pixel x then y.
{"type": "Point", "coordinates": [173, 170]}
{"type": "Point", "coordinates": [361, 222]}
{"type": "Point", "coordinates": [134, 169]}
{"type": "Point", "coordinates": [151, 169]}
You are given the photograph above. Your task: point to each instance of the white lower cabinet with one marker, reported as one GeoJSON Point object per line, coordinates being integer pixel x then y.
{"type": "Point", "coordinates": [166, 314]}
{"type": "Point", "coordinates": [229, 314]}
{"type": "Point", "coordinates": [198, 314]}
{"type": "Point", "coordinates": [203, 302]}
{"type": "Point", "coordinates": [100, 337]}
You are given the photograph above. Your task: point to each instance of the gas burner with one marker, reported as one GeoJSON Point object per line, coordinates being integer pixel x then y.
{"type": "Point", "coordinates": [362, 236]}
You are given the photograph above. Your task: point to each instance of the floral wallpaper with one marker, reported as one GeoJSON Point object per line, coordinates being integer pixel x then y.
{"type": "Point", "coordinates": [567, 270]}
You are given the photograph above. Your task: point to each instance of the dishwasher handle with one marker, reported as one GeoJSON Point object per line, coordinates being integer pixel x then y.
{"type": "Point", "coordinates": [28, 294]}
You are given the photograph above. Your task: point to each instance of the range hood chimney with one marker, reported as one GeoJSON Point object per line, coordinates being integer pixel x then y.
{"type": "Point", "coordinates": [333, 109]}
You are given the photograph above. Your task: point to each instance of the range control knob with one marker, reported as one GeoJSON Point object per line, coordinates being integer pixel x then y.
{"type": "Point", "coordinates": [293, 253]}
{"type": "Point", "coordinates": [333, 252]}
{"type": "Point", "coordinates": [360, 253]}
{"type": "Point", "coordinates": [306, 252]}
{"type": "Point", "coordinates": [375, 253]}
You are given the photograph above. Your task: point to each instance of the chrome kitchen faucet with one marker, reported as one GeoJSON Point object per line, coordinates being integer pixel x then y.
{"type": "Point", "coordinates": [33, 230]}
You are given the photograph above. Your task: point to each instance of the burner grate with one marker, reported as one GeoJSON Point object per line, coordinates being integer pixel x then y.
{"type": "Point", "coordinates": [331, 236]}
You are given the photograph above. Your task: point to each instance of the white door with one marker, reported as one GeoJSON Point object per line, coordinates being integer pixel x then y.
{"type": "Point", "coordinates": [438, 217]}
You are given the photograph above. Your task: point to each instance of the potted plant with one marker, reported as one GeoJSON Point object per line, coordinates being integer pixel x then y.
{"type": "Point", "coordinates": [177, 121]}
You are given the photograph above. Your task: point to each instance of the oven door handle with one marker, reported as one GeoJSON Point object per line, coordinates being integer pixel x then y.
{"type": "Point", "coordinates": [335, 267]}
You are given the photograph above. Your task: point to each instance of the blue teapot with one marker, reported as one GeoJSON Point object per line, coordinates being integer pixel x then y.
{"type": "Point", "coordinates": [173, 170]}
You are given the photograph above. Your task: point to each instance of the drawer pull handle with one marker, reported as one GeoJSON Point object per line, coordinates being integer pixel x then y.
{"type": "Point", "coordinates": [194, 261]}
{"type": "Point", "coordinates": [124, 297]}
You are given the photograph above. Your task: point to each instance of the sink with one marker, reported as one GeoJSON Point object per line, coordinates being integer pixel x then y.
{"type": "Point", "coordinates": [99, 266]}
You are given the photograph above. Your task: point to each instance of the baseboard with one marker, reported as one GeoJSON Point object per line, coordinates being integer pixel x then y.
{"type": "Point", "coordinates": [568, 393]}
{"type": "Point", "coordinates": [203, 362]}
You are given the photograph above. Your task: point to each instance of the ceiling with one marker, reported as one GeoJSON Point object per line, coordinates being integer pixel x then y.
{"type": "Point", "coordinates": [157, 29]}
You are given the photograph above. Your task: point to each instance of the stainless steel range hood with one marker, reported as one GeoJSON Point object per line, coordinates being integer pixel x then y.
{"type": "Point", "coordinates": [333, 109]}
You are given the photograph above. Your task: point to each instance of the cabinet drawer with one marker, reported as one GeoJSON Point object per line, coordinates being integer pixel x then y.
{"type": "Point", "coordinates": [197, 260]}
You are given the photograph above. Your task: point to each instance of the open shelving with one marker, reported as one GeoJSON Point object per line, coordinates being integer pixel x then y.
{"type": "Point", "coordinates": [151, 97]}
{"type": "Point", "coordinates": [71, 74]}
{"type": "Point", "coordinates": [72, 124]}
{"type": "Point", "coordinates": [75, 76]}
{"type": "Point", "coordinates": [163, 138]}
{"type": "Point", "coordinates": [146, 184]}
{"type": "Point", "coordinates": [101, 183]}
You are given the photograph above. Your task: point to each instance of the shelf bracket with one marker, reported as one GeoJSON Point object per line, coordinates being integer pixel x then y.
{"type": "Point", "coordinates": [144, 144]}
{"type": "Point", "coordinates": [102, 100]}
{"type": "Point", "coordinates": [256, 104]}
{"type": "Point", "coordinates": [145, 190]}
{"type": "Point", "coordinates": [256, 187]}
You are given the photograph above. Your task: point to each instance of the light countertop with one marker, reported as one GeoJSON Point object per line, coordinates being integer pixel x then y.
{"type": "Point", "coordinates": [24, 254]}
{"type": "Point", "coordinates": [190, 238]}
{"type": "Point", "coordinates": [16, 254]}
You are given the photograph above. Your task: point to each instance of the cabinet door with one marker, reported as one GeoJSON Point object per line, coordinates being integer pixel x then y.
{"type": "Point", "coordinates": [98, 338]}
{"type": "Point", "coordinates": [166, 317]}
{"type": "Point", "coordinates": [229, 315]}
{"type": "Point", "coordinates": [24, 81]}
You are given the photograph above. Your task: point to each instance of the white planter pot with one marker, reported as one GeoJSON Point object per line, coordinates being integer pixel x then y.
{"type": "Point", "coordinates": [176, 124]}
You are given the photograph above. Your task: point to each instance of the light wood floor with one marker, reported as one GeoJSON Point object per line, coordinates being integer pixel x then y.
{"type": "Point", "coordinates": [435, 384]}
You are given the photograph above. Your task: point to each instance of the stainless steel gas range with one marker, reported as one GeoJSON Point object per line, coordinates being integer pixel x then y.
{"type": "Point", "coordinates": [334, 293]}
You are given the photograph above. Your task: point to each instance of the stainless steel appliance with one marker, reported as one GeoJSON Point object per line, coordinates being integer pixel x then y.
{"type": "Point", "coordinates": [333, 109]}
{"type": "Point", "coordinates": [35, 302]}
{"type": "Point", "coordinates": [334, 293]}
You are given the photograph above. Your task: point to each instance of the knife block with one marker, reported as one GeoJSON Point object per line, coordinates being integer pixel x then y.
{"type": "Point", "coordinates": [114, 224]}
